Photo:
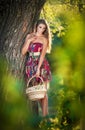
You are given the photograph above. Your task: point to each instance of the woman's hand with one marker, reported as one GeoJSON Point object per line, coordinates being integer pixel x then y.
{"type": "Point", "coordinates": [37, 73]}
{"type": "Point", "coordinates": [32, 38]}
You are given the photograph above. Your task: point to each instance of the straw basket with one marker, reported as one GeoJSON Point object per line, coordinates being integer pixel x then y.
{"type": "Point", "coordinates": [36, 92]}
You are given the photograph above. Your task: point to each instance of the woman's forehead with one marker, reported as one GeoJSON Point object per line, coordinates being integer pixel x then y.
{"type": "Point", "coordinates": [41, 24]}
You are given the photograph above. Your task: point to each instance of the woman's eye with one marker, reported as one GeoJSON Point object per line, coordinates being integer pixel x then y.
{"type": "Point", "coordinates": [42, 27]}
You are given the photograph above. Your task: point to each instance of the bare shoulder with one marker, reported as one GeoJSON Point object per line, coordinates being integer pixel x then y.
{"type": "Point", "coordinates": [28, 35]}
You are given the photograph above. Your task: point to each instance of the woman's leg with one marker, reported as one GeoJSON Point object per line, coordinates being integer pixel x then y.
{"type": "Point", "coordinates": [44, 104]}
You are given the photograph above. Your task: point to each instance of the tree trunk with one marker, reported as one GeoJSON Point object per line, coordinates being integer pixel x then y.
{"type": "Point", "coordinates": [17, 18]}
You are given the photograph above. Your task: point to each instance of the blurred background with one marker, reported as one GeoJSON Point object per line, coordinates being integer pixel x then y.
{"type": "Point", "coordinates": [67, 89]}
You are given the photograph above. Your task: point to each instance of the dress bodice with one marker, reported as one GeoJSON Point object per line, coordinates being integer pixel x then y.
{"type": "Point", "coordinates": [35, 47]}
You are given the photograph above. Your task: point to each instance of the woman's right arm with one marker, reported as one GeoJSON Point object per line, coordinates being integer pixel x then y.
{"type": "Point", "coordinates": [26, 45]}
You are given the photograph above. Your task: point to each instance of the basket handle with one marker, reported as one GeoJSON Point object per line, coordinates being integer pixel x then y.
{"type": "Point", "coordinates": [34, 77]}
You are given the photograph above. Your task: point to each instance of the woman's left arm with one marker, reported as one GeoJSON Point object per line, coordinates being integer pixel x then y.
{"type": "Point", "coordinates": [42, 57]}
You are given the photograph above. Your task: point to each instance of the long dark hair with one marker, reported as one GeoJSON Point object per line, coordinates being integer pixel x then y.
{"type": "Point", "coordinates": [46, 33]}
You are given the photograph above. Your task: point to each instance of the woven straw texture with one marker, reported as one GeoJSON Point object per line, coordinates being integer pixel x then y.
{"type": "Point", "coordinates": [36, 92]}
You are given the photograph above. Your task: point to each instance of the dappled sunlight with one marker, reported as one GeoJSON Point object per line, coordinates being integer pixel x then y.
{"type": "Point", "coordinates": [66, 94]}
{"type": "Point", "coordinates": [59, 16]}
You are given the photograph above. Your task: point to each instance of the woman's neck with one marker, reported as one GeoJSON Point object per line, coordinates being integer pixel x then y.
{"type": "Point", "coordinates": [38, 34]}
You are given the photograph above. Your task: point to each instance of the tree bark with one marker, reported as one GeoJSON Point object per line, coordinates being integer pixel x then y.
{"type": "Point", "coordinates": [17, 18]}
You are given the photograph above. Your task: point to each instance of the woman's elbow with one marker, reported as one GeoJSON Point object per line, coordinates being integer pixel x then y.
{"type": "Point", "coordinates": [23, 52]}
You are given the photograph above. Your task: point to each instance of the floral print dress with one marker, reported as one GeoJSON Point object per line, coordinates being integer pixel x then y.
{"type": "Point", "coordinates": [33, 60]}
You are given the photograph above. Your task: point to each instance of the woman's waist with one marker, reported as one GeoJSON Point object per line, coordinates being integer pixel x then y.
{"type": "Point", "coordinates": [34, 53]}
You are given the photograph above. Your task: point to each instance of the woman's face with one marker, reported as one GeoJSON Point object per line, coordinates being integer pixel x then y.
{"type": "Point", "coordinates": [41, 28]}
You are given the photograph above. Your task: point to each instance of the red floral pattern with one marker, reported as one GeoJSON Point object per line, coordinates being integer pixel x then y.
{"type": "Point", "coordinates": [32, 63]}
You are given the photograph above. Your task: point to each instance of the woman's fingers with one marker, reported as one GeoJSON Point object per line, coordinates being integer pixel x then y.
{"type": "Point", "coordinates": [37, 73]}
{"type": "Point", "coordinates": [33, 38]}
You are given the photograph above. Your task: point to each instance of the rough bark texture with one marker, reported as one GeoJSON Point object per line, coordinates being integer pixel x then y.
{"type": "Point", "coordinates": [17, 18]}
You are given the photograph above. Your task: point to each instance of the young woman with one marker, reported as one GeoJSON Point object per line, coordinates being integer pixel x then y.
{"type": "Point", "coordinates": [38, 44]}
